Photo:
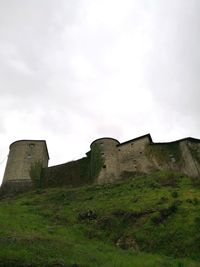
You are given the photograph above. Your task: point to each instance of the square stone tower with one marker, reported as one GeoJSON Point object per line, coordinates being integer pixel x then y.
{"type": "Point", "coordinates": [22, 155]}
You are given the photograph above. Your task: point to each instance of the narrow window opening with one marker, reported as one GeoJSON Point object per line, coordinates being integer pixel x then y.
{"type": "Point", "coordinates": [31, 145]}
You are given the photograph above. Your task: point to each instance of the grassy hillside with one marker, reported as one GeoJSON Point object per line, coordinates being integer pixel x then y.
{"type": "Point", "coordinates": [145, 221]}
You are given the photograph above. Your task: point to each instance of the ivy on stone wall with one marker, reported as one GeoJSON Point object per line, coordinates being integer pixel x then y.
{"type": "Point", "coordinates": [195, 153]}
{"type": "Point", "coordinates": [73, 173]}
{"type": "Point", "coordinates": [164, 153]}
{"type": "Point", "coordinates": [97, 161]}
{"type": "Point", "coordinates": [35, 173]}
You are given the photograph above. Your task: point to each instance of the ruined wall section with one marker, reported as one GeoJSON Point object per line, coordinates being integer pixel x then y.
{"type": "Point", "coordinates": [132, 157]}
{"type": "Point", "coordinates": [106, 152]}
{"type": "Point", "coordinates": [165, 156]}
{"type": "Point", "coordinates": [191, 155]}
{"type": "Point", "coordinates": [181, 156]}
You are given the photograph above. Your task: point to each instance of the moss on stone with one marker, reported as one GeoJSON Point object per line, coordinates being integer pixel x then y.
{"type": "Point", "coordinates": [74, 173]}
{"type": "Point", "coordinates": [35, 173]}
{"type": "Point", "coordinates": [195, 153]}
{"type": "Point", "coordinates": [97, 161]}
{"type": "Point", "coordinates": [164, 153]}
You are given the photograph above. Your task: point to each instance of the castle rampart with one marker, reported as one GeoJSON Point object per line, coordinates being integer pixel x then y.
{"type": "Point", "coordinates": [107, 161]}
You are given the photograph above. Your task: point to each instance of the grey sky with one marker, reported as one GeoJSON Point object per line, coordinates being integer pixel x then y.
{"type": "Point", "coordinates": [76, 70]}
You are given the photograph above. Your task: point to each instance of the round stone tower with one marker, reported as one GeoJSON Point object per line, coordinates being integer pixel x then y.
{"type": "Point", "coordinates": [21, 156]}
{"type": "Point", "coordinates": [104, 160]}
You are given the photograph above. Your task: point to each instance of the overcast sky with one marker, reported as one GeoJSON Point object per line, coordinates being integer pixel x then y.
{"type": "Point", "coordinates": [72, 71]}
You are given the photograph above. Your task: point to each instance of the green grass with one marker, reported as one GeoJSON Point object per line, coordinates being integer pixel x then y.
{"type": "Point", "coordinates": [148, 221]}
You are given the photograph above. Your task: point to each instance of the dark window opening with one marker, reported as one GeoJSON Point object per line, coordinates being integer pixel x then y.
{"type": "Point", "coordinates": [31, 145]}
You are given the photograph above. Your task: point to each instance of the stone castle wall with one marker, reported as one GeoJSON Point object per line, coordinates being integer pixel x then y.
{"type": "Point", "coordinates": [74, 173]}
{"type": "Point", "coordinates": [107, 161]}
{"type": "Point", "coordinates": [132, 156]}
{"type": "Point", "coordinates": [109, 164]}
{"type": "Point", "coordinates": [141, 155]}
{"type": "Point", "coordinates": [21, 156]}
{"type": "Point", "coordinates": [191, 157]}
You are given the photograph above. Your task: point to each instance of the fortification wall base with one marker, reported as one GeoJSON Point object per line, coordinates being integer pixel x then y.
{"type": "Point", "coordinates": [15, 187]}
{"type": "Point", "coordinates": [107, 161]}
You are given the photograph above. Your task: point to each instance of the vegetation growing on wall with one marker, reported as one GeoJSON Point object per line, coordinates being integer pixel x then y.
{"type": "Point", "coordinates": [164, 153]}
{"type": "Point", "coordinates": [97, 161]}
{"type": "Point", "coordinates": [74, 173]}
{"type": "Point", "coordinates": [35, 173]}
{"type": "Point", "coordinates": [195, 153]}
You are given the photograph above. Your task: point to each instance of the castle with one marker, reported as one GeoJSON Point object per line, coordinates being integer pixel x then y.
{"type": "Point", "coordinates": [107, 161]}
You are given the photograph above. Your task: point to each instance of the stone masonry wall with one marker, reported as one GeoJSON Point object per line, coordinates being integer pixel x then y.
{"type": "Point", "coordinates": [107, 161]}
{"type": "Point", "coordinates": [107, 147]}
{"type": "Point", "coordinates": [22, 154]}
{"type": "Point", "coordinates": [141, 155]}
{"type": "Point", "coordinates": [191, 156]}
{"type": "Point", "coordinates": [74, 173]}
{"type": "Point", "coordinates": [132, 157]}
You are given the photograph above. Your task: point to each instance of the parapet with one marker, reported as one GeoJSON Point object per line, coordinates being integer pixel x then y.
{"type": "Point", "coordinates": [105, 140]}
{"type": "Point", "coordinates": [29, 142]}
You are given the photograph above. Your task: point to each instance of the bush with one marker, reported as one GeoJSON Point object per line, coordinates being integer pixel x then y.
{"type": "Point", "coordinates": [197, 222]}
{"type": "Point", "coordinates": [163, 214]}
{"type": "Point", "coordinates": [195, 182]}
{"type": "Point", "coordinates": [155, 217]}
{"type": "Point", "coordinates": [35, 173]}
{"type": "Point", "coordinates": [174, 194]}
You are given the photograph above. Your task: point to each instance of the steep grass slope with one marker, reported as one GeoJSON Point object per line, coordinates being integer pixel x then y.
{"type": "Point", "coordinates": [145, 221]}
